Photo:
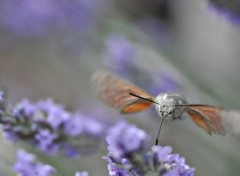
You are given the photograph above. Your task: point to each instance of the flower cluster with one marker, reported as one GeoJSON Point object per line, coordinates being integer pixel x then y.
{"type": "Point", "coordinates": [126, 156]}
{"type": "Point", "coordinates": [124, 139]}
{"type": "Point", "coordinates": [167, 164]}
{"type": "Point", "coordinates": [229, 10]}
{"type": "Point", "coordinates": [51, 127]}
{"type": "Point", "coordinates": [27, 165]}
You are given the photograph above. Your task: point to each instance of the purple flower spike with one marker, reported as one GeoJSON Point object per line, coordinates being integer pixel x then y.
{"type": "Point", "coordinates": [124, 139]}
{"type": "Point", "coordinates": [27, 165]}
{"type": "Point", "coordinates": [49, 126]}
{"type": "Point", "coordinates": [125, 156]}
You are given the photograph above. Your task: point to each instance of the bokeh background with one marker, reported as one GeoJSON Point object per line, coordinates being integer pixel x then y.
{"type": "Point", "coordinates": [51, 49]}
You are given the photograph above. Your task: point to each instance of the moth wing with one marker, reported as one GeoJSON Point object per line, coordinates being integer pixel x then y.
{"type": "Point", "coordinates": [215, 119]}
{"type": "Point", "coordinates": [114, 91]}
{"type": "Point", "coordinates": [136, 106]}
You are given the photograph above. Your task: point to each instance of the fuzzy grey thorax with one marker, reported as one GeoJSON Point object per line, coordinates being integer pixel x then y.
{"type": "Point", "coordinates": [166, 107]}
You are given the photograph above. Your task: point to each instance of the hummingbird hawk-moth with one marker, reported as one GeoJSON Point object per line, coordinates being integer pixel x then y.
{"type": "Point", "coordinates": [128, 98]}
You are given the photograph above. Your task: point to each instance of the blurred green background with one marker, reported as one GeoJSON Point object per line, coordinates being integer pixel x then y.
{"type": "Point", "coordinates": [182, 37]}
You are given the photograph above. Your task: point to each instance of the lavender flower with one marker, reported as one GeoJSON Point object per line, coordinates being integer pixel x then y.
{"type": "Point", "coordinates": [124, 139]}
{"type": "Point", "coordinates": [50, 127]}
{"type": "Point", "coordinates": [158, 161]}
{"type": "Point", "coordinates": [229, 10]}
{"type": "Point", "coordinates": [28, 17]}
{"type": "Point", "coordinates": [167, 164]}
{"type": "Point", "coordinates": [126, 155]}
{"type": "Point", "coordinates": [27, 165]}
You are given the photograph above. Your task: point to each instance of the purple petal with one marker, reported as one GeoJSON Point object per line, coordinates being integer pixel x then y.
{"type": "Point", "coordinates": [163, 153]}
{"type": "Point", "coordinates": [46, 142]}
{"type": "Point", "coordinates": [26, 106]}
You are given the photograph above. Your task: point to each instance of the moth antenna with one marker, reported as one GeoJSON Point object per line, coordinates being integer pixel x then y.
{"type": "Point", "coordinates": [159, 130]}
{"type": "Point", "coordinates": [147, 99]}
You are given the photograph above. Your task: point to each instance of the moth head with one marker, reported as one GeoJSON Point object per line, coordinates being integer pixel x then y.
{"type": "Point", "coordinates": [166, 106]}
{"type": "Point", "coordinates": [166, 111]}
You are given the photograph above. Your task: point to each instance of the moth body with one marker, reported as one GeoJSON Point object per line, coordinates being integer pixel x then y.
{"type": "Point", "coordinates": [166, 107]}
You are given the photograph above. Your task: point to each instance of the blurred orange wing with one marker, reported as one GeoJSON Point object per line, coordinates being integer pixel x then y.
{"type": "Point", "coordinates": [114, 91]}
{"type": "Point", "coordinates": [136, 106]}
{"type": "Point", "coordinates": [215, 119]}
{"type": "Point", "coordinates": [199, 120]}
